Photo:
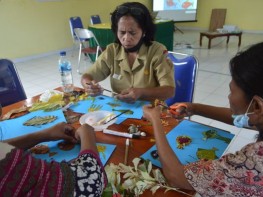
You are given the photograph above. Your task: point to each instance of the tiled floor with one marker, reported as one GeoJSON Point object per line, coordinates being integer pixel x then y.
{"type": "Point", "coordinates": [40, 74]}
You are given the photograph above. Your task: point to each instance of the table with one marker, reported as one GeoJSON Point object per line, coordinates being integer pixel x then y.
{"type": "Point", "coordinates": [164, 33]}
{"type": "Point", "coordinates": [103, 33]}
{"type": "Point", "coordinates": [138, 146]}
{"type": "Point", "coordinates": [212, 35]}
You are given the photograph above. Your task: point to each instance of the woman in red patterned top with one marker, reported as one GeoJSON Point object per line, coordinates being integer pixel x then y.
{"type": "Point", "coordinates": [238, 174]}
{"type": "Point", "coordinates": [23, 175]}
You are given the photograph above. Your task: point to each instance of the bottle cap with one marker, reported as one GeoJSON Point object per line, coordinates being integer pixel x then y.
{"type": "Point", "coordinates": [62, 53]}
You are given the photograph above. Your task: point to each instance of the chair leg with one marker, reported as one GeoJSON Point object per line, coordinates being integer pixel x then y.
{"type": "Point", "coordinates": [97, 52]}
{"type": "Point", "coordinates": [80, 48]}
{"type": "Point", "coordinates": [73, 50]}
{"type": "Point", "coordinates": [75, 47]}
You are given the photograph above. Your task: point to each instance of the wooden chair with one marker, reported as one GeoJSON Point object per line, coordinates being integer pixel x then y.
{"type": "Point", "coordinates": [217, 21]}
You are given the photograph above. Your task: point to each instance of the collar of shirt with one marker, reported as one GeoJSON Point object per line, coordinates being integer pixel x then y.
{"type": "Point", "coordinates": [123, 61]}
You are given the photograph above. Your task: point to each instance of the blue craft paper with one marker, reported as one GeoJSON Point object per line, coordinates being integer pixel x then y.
{"type": "Point", "coordinates": [102, 102]}
{"type": "Point", "coordinates": [14, 127]}
{"type": "Point", "coordinates": [73, 153]}
{"type": "Point", "coordinates": [120, 120]}
{"type": "Point", "coordinates": [188, 153]}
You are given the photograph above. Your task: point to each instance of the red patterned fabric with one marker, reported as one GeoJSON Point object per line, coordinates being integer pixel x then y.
{"type": "Point", "coordinates": [239, 174]}
{"type": "Point", "coordinates": [23, 175]}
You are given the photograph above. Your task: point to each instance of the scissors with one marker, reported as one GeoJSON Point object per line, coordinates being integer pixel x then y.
{"type": "Point", "coordinates": [172, 109]}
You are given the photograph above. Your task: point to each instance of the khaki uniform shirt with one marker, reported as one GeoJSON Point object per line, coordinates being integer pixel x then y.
{"type": "Point", "coordinates": [151, 68]}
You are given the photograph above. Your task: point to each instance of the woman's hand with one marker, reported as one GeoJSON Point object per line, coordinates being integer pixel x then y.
{"type": "Point", "coordinates": [129, 95]}
{"type": "Point", "coordinates": [84, 130]}
{"type": "Point", "coordinates": [60, 131]}
{"type": "Point", "coordinates": [182, 110]}
{"type": "Point", "coordinates": [151, 113]}
{"type": "Point", "coordinates": [91, 86]}
{"type": "Point", "coordinates": [86, 135]}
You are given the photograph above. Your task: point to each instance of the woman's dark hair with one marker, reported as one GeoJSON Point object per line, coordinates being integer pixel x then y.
{"type": "Point", "coordinates": [141, 15]}
{"type": "Point", "coordinates": [246, 69]}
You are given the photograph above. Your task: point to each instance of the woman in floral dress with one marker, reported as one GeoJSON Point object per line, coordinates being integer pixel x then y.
{"type": "Point", "coordinates": [237, 174]}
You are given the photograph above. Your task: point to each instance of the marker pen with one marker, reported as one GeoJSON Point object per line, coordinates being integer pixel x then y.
{"type": "Point", "coordinates": [122, 134]}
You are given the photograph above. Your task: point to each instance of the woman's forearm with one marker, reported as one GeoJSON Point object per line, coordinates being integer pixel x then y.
{"type": "Point", "coordinates": [171, 166]}
{"type": "Point", "coordinates": [27, 141]}
{"type": "Point", "coordinates": [88, 140]}
{"type": "Point", "coordinates": [217, 113]}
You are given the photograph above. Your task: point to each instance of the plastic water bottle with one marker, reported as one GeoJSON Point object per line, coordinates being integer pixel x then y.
{"type": "Point", "coordinates": [65, 72]}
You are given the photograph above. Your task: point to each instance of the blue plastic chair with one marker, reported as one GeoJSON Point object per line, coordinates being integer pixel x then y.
{"type": "Point", "coordinates": [185, 72]}
{"type": "Point", "coordinates": [95, 19]}
{"type": "Point", "coordinates": [11, 88]}
{"type": "Point", "coordinates": [75, 22]}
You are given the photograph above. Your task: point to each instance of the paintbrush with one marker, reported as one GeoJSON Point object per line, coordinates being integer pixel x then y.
{"type": "Point", "coordinates": [114, 93]}
{"type": "Point", "coordinates": [116, 116]}
{"type": "Point", "coordinates": [102, 120]}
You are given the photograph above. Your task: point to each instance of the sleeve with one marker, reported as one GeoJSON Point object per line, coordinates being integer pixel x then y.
{"type": "Point", "coordinates": [238, 174]}
{"type": "Point", "coordinates": [100, 70]}
{"type": "Point", "coordinates": [163, 66]}
{"type": "Point", "coordinates": [90, 177]}
{"type": "Point", "coordinates": [22, 174]}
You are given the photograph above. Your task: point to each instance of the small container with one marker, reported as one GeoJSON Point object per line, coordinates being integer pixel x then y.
{"type": "Point", "coordinates": [98, 119]}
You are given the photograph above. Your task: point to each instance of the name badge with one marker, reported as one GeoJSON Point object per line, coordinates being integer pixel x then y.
{"type": "Point", "coordinates": [115, 76]}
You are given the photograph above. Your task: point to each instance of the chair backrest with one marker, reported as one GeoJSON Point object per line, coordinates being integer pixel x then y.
{"type": "Point", "coordinates": [75, 22]}
{"type": "Point", "coordinates": [217, 19]}
{"type": "Point", "coordinates": [85, 35]}
{"type": "Point", "coordinates": [185, 72]}
{"type": "Point", "coordinates": [11, 89]}
{"type": "Point", "coordinates": [95, 19]}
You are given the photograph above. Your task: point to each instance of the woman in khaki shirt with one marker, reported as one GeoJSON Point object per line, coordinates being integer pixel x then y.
{"type": "Point", "coordinates": [137, 66]}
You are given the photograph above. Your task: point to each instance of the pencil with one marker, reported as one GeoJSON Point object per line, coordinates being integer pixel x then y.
{"type": "Point", "coordinates": [126, 151]}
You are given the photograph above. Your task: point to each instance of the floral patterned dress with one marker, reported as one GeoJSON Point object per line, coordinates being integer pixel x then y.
{"type": "Point", "coordinates": [239, 174]}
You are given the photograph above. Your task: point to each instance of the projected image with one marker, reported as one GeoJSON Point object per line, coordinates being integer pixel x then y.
{"type": "Point", "coordinates": [176, 10]}
{"type": "Point", "coordinates": [179, 4]}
